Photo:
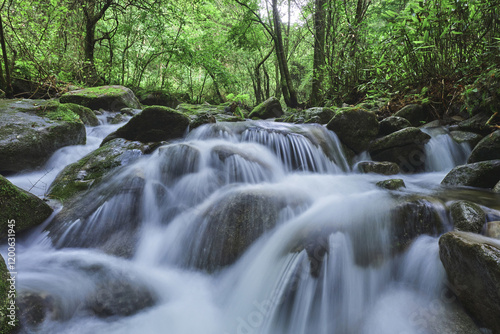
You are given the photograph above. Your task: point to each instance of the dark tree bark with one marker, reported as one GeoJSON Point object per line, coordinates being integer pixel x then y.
{"type": "Point", "coordinates": [289, 93]}
{"type": "Point", "coordinates": [319, 53]}
{"type": "Point", "coordinates": [5, 79]}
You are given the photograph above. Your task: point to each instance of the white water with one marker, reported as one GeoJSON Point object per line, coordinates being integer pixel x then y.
{"type": "Point", "coordinates": [173, 201]}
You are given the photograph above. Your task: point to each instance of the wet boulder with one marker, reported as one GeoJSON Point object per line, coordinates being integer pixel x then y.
{"type": "Point", "coordinates": [270, 108]}
{"type": "Point", "coordinates": [404, 147]}
{"type": "Point", "coordinates": [496, 188]}
{"type": "Point", "coordinates": [355, 127]}
{"type": "Point", "coordinates": [487, 149]}
{"type": "Point", "coordinates": [392, 124]}
{"type": "Point", "coordinates": [34, 308]}
{"type": "Point", "coordinates": [320, 115]}
{"type": "Point", "coordinates": [108, 217]}
{"type": "Point", "coordinates": [86, 115]}
{"type": "Point", "coordinates": [415, 217]}
{"type": "Point", "coordinates": [470, 138]}
{"type": "Point", "coordinates": [153, 124]}
{"type": "Point", "coordinates": [161, 98]}
{"type": "Point", "coordinates": [476, 124]}
{"type": "Point", "coordinates": [91, 169]}
{"type": "Point", "coordinates": [415, 114]}
{"type": "Point", "coordinates": [485, 174]}
{"type": "Point", "coordinates": [467, 216]}
{"type": "Point", "coordinates": [378, 167]}
{"type": "Point", "coordinates": [392, 184]}
{"type": "Point", "coordinates": [112, 98]}
{"type": "Point", "coordinates": [17, 204]}
{"type": "Point", "coordinates": [472, 263]}
{"type": "Point", "coordinates": [6, 310]}
{"type": "Point", "coordinates": [32, 130]}
{"type": "Point", "coordinates": [233, 223]}
{"type": "Point", "coordinates": [493, 229]}
{"type": "Point", "coordinates": [119, 297]}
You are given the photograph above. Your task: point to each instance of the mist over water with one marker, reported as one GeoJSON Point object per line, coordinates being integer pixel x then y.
{"type": "Point", "coordinates": [250, 227]}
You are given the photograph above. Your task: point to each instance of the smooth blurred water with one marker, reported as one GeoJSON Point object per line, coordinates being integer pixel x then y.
{"type": "Point", "coordinates": [326, 264]}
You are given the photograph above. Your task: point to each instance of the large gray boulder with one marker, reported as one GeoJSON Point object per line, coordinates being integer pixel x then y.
{"type": "Point", "coordinates": [476, 124]}
{"type": "Point", "coordinates": [355, 127]}
{"type": "Point", "coordinates": [153, 124]}
{"type": "Point", "coordinates": [112, 98]}
{"type": "Point", "coordinates": [416, 114]}
{"type": "Point", "coordinates": [234, 223]}
{"type": "Point", "coordinates": [466, 137]}
{"type": "Point", "coordinates": [392, 124]}
{"type": "Point", "coordinates": [24, 208]}
{"type": "Point", "coordinates": [91, 169]}
{"type": "Point", "coordinates": [483, 174]}
{"type": "Point", "coordinates": [487, 149]}
{"type": "Point", "coordinates": [404, 147]}
{"type": "Point", "coordinates": [467, 216]}
{"type": "Point", "coordinates": [472, 263]}
{"type": "Point", "coordinates": [270, 108]}
{"type": "Point", "coordinates": [320, 115]}
{"type": "Point", "coordinates": [378, 167]}
{"type": "Point", "coordinates": [32, 130]}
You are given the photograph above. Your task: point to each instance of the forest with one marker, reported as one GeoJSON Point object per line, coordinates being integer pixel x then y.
{"type": "Point", "coordinates": [304, 52]}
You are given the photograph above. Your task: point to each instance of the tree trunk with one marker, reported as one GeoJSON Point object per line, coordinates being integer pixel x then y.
{"type": "Point", "coordinates": [319, 53]}
{"type": "Point", "coordinates": [289, 93]}
{"type": "Point", "coordinates": [6, 82]}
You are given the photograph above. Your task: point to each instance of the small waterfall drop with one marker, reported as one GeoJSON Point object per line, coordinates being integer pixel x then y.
{"type": "Point", "coordinates": [248, 227]}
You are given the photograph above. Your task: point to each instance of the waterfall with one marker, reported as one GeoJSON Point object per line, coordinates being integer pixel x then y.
{"type": "Point", "coordinates": [247, 227]}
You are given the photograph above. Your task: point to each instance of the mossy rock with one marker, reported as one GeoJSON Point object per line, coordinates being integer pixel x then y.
{"type": "Point", "coordinates": [5, 299]}
{"type": "Point", "coordinates": [112, 98]}
{"type": "Point", "coordinates": [270, 108]}
{"type": "Point", "coordinates": [472, 264]}
{"type": "Point", "coordinates": [487, 149]}
{"type": "Point", "coordinates": [404, 147]}
{"type": "Point", "coordinates": [355, 127]}
{"type": "Point", "coordinates": [87, 116]}
{"type": "Point", "coordinates": [392, 184]}
{"type": "Point", "coordinates": [197, 109]}
{"type": "Point", "coordinates": [476, 124]}
{"type": "Point", "coordinates": [484, 174]}
{"type": "Point", "coordinates": [32, 130]}
{"type": "Point", "coordinates": [16, 204]}
{"type": "Point", "coordinates": [416, 114]}
{"type": "Point", "coordinates": [378, 167]}
{"type": "Point", "coordinates": [161, 98]}
{"type": "Point", "coordinates": [90, 170]}
{"type": "Point", "coordinates": [153, 124]}
{"type": "Point", "coordinates": [415, 217]}
{"type": "Point", "coordinates": [470, 138]}
{"type": "Point", "coordinates": [467, 216]}
{"type": "Point", "coordinates": [392, 124]}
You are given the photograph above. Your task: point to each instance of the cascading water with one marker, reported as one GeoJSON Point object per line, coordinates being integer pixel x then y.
{"type": "Point", "coordinates": [251, 227]}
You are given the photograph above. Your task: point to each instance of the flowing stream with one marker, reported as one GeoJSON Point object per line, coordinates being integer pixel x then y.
{"type": "Point", "coordinates": [250, 227]}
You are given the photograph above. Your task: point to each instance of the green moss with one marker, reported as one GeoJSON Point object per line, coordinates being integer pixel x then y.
{"type": "Point", "coordinates": [5, 328]}
{"type": "Point", "coordinates": [56, 111]}
{"type": "Point", "coordinates": [100, 91]}
{"type": "Point", "coordinates": [26, 209]}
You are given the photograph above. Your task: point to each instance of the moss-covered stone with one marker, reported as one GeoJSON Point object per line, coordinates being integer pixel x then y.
{"type": "Point", "coordinates": [16, 204]}
{"type": "Point", "coordinates": [161, 98]}
{"type": "Point", "coordinates": [467, 216]}
{"type": "Point", "coordinates": [7, 325]}
{"type": "Point", "coordinates": [404, 147]}
{"type": "Point", "coordinates": [416, 114]}
{"type": "Point", "coordinates": [472, 264]}
{"type": "Point", "coordinates": [470, 138]}
{"type": "Point", "coordinates": [89, 171]}
{"type": "Point", "coordinates": [270, 108]}
{"type": "Point", "coordinates": [87, 116]}
{"type": "Point", "coordinates": [392, 184]}
{"type": "Point", "coordinates": [355, 127]}
{"type": "Point", "coordinates": [153, 124]}
{"type": "Point", "coordinates": [392, 124]}
{"type": "Point", "coordinates": [112, 98]}
{"type": "Point", "coordinates": [378, 167]}
{"type": "Point", "coordinates": [487, 149]}
{"type": "Point", "coordinates": [476, 123]}
{"type": "Point", "coordinates": [485, 174]}
{"type": "Point", "coordinates": [31, 130]}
